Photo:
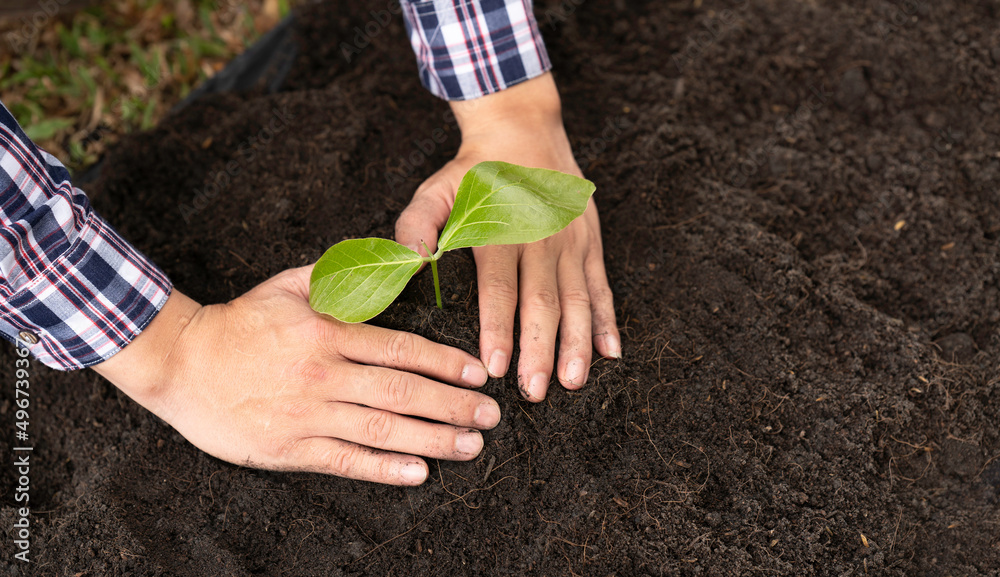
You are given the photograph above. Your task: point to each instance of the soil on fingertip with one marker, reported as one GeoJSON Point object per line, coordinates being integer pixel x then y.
{"type": "Point", "coordinates": [800, 220]}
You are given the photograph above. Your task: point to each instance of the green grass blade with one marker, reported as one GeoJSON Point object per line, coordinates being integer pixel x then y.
{"type": "Point", "coordinates": [502, 203]}
{"type": "Point", "coordinates": [47, 128]}
{"type": "Point", "coordinates": [357, 279]}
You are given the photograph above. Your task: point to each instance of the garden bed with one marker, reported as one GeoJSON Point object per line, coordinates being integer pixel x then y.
{"type": "Point", "coordinates": [800, 223]}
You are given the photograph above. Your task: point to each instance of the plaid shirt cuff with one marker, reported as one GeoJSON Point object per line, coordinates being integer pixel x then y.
{"type": "Point", "coordinates": [470, 48]}
{"type": "Point", "coordinates": [89, 303]}
{"type": "Point", "coordinates": [71, 289]}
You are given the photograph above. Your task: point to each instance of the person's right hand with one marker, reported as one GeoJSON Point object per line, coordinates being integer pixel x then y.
{"type": "Point", "coordinates": [265, 381]}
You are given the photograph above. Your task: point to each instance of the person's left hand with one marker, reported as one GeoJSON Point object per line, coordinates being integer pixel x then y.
{"type": "Point", "coordinates": [560, 281]}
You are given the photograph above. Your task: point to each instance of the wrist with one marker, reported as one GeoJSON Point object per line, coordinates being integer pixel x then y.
{"type": "Point", "coordinates": [532, 105]}
{"type": "Point", "coordinates": [145, 368]}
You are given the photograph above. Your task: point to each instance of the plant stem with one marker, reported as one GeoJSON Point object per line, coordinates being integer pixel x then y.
{"type": "Point", "coordinates": [437, 285]}
{"type": "Point", "coordinates": [434, 270]}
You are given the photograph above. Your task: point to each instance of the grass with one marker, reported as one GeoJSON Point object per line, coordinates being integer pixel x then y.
{"type": "Point", "coordinates": [83, 80]}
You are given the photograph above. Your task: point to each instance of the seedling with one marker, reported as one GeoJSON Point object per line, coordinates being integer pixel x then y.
{"type": "Point", "coordinates": [496, 203]}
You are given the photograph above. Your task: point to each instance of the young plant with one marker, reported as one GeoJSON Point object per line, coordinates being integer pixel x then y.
{"type": "Point", "coordinates": [496, 203]}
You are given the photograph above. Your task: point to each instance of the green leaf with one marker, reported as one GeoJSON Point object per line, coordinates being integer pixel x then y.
{"type": "Point", "coordinates": [357, 279]}
{"type": "Point", "coordinates": [501, 203]}
{"type": "Point", "coordinates": [48, 128]}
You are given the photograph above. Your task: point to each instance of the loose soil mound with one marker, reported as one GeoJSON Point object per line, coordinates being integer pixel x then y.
{"type": "Point", "coordinates": [800, 218]}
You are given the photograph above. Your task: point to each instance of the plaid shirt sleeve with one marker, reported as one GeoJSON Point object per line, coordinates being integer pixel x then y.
{"type": "Point", "coordinates": [470, 48]}
{"type": "Point", "coordinates": [71, 289]}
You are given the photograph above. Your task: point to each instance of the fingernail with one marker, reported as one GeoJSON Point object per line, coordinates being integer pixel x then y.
{"type": "Point", "coordinates": [614, 346]}
{"type": "Point", "coordinates": [522, 386]}
{"type": "Point", "coordinates": [413, 247]}
{"type": "Point", "coordinates": [469, 442]}
{"type": "Point", "coordinates": [487, 415]}
{"type": "Point", "coordinates": [413, 473]}
{"type": "Point", "coordinates": [498, 364]}
{"type": "Point", "coordinates": [576, 373]}
{"type": "Point", "coordinates": [538, 385]}
{"type": "Point", "coordinates": [474, 375]}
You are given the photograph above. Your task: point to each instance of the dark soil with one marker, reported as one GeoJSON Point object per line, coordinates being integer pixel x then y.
{"type": "Point", "coordinates": [801, 220]}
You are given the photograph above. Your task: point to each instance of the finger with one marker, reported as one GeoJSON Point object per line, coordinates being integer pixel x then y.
{"type": "Point", "coordinates": [343, 459]}
{"type": "Point", "coordinates": [408, 394]}
{"type": "Point", "coordinates": [391, 432]}
{"type": "Point", "coordinates": [539, 297]}
{"type": "Point", "coordinates": [408, 352]}
{"type": "Point", "coordinates": [496, 271]}
{"type": "Point", "coordinates": [607, 341]}
{"type": "Point", "coordinates": [426, 215]}
{"type": "Point", "coordinates": [575, 349]}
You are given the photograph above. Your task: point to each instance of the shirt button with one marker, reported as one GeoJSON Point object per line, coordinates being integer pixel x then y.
{"type": "Point", "coordinates": [28, 337]}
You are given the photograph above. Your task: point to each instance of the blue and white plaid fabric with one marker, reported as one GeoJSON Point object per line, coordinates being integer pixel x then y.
{"type": "Point", "coordinates": [470, 48]}
{"type": "Point", "coordinates": [71, 289]}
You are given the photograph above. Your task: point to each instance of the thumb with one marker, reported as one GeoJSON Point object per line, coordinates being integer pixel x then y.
{"type": "Point", "coordinates": [293, 280]}
{"type": "Point", "coordinates": [422, 221]}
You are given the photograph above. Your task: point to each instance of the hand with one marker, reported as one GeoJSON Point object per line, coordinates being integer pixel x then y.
{"type": "Point", "coordinates": [267, 382]}
{"type": "Point", "coordinates": [560, 281]}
